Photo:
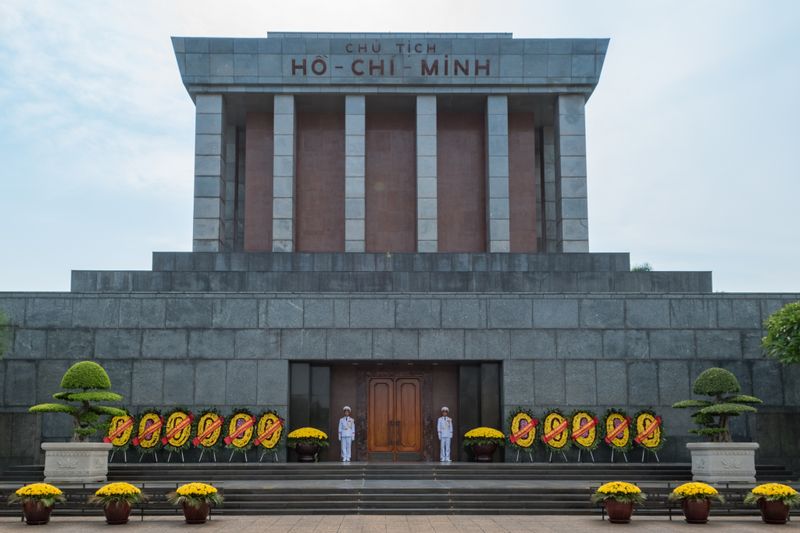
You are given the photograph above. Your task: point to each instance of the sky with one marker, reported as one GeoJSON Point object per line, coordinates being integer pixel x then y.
{"type": "Point", "coordinates": [693, 132]}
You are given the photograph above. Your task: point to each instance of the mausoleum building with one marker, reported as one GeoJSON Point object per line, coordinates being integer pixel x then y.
{"type": "Point", "coordinates": [394, 222]}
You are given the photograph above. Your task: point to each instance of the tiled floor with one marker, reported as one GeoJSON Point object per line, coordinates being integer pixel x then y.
{"type": "Point", "coordinates": [402, 524]}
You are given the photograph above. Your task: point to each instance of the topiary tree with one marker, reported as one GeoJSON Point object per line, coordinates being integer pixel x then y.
{"type": "Point", "coordinates": [85, 382]}
{"type": "Point", "coordinates": [783, 334]}
{"type": "Point", "coordinates": [713, 415]}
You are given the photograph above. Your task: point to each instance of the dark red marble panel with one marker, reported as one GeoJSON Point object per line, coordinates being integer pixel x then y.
{"type": "Point", "coordinates": [391, 185]}
{"type": "Point", "coordinates": [522, 184]}
{"type": "Point", "coordinates": [258, 183]}
{"type": "Point", "coordinates": [320, 181]}
{"type": "Point", "coordinates": [461, 168]}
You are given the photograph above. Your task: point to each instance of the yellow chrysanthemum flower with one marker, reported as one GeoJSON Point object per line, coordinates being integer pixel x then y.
{"type": "Point", "coordinates": [483, 433]}
{"type": "Point", "coordinates": [308, 433]}
{"type": "Point", "coordinates": [38, 490]}
{"type": "Point", "coordinates": [695, 491]}
{"type": "Point", "coordinates": [118, 489]}
{"type": "Point", "coordinates": [196, 489]}
{"type": "Point", "coordinates": [774, 489]}
{"type": "Point", "coordinates": [619, 487]}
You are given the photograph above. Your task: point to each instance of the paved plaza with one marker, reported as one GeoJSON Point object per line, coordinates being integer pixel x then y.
{"type": "Point", "coordinates": [402, 524]}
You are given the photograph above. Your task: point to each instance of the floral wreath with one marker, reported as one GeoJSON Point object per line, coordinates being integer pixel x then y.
{"type": "Point", "coordinates": [555, 431]}
{"type": "Point", "coordinates": [148, 431]}
{"type": "Point", "coordinates": [241, 426]}
{"type": "Point", "coordinates": [522, 429]}
{"type": "Point", "coordinates": [617, 430]}
{"type": "Point", "coordinates": [269, 430]}
{"type": "Point", "coordinates": [208, 429]}
{"type": "Point", "coordinates": [650, 433]}
{"type": "Point", "coordinates": [120, 430]}
{"type": "Point", "coordinates": [585, 429]}
{"type": "Point", "coordinates": [177, 430]}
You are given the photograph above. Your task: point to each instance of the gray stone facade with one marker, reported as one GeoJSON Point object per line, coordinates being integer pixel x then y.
{"type": "Point", "coordinates": [219, 327]}
{"type": "Point", "coordinates": [568, 350]}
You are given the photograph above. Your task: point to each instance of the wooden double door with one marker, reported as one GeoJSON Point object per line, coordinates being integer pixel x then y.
{"type": "Point", "coordinates": [394, 419]}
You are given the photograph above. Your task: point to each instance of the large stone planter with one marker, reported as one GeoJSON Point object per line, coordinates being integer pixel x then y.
{"type": "Point", "coordinates": [75, 462]}
{"type": "Point", "coordinates": [723, 462]}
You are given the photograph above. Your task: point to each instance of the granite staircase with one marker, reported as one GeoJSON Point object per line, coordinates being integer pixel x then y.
{"type": "Point", "coordinates": [370, 488]}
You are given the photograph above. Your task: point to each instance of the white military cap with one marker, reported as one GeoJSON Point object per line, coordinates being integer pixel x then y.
{"type": "Point", "coordinates": [445, 409]}
{"type": "Point", "coordinates": [346, 408]}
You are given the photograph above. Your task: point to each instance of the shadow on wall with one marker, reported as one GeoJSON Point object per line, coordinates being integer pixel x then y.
{"type": "Point", "coordinates": [20, 441]}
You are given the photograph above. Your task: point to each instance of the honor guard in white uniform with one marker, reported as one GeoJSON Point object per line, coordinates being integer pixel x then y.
{"type": "Point", "coordinates": [445, 428]}
{"type": "Point", "coordinates": [347, 432]}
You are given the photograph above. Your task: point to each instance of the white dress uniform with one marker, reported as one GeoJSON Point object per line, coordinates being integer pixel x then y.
{"type": "Point", "coordinates": [347, 432]}
{"type": "Point", "coordinates": [445, 428]}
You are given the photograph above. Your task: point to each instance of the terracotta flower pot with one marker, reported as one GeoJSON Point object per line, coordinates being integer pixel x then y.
{"type": "Point", "coordinates": [773, 512]}
{"type": "Point", "coordinates": [196, 515]}
{"type": "Point", "coordinates": [483, 452]}
{"type": "Point", "coordinates": [618, 512]}
{"type": "Point", "coordinates": [117, 513]}
{"type": "Point", "coordinates": [696, 511]}
{"type": "Point", "coordinates": [306, 453]}
{"type": "Point", "coordinates": [35, 513]}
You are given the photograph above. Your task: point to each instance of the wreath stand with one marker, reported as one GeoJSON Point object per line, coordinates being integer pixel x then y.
{"type": "Point", "coordinates": [590, 454]}
{"type": "Point", "coordinates": [274, 455]}
{"type": "Point", "coordinates": [170, 457]}
{"type": "Point", "coordinates": [153, 453]}
{"type": "Point", "coordinates": [233, 452]}
{"type": "Point", "coordinates": [528, 452]}
{"type": "Point", "coordinates": [124, 456]}
{"type": "Point", "coordinates": [550, 459]}
{"type": "Point", "coordinates": [625, 455]}
{"type": "Point", "coordinates": [654, 453]}
{"type": "Point", "coordinates": [213, 455]}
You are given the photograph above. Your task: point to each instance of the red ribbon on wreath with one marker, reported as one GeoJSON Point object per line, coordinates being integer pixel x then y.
{"type": "Point", "coordinates": [238, 432]}
{"type": "Point", "coordinates": [117, 432]}
{"type": "Point", "coordinates": [177, 429]}
{"type": "Point", "coordinates": [208, 431]}
{"type": "Point", "coordinates": [584, 428]}
{"type": "Point", "coordinates": [149, 431]}
{"type": "Point", "coordinates": [555, 432]}
{"type": "Point", "coordinates": [522, 433]}
{"type": "Point", "coordinates": [268, 432]}
{"type": "Point", "coordinates": [647, 432]}
{"type": "Point", "coordinates": [617, 430]}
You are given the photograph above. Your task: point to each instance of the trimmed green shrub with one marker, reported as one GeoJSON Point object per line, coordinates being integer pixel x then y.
{"type": "Point", "coordinates": [714, 415]}
{"type": "Point", "coordinates": [643, 267]}
{"type": "Point", "coordinates": [85, 382]}
{"type": "Point", "coordinates": [783, 334]}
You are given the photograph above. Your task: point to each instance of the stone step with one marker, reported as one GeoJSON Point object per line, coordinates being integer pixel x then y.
{"type": "Point", "coordinates": [90, 281]}
{"type": "Point", "coordinates": [392, 262]}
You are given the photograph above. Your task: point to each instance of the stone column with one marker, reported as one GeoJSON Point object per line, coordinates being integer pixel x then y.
{"type": "Point", "coordinates": [230, 188]}
{"type": "Point", "coordinates": [283, 174]}
{"type": "Point", "coordinates": [354, 175]}
{"type": "Point", "coordinates": [499, 233]}
{"type": "Point", "coordinates": [208, 232]}
{"type": "Point", "coordinates": [427, 224]}
{"type": "Point", "coordinates": [571, 206]}
{"type": "Point", "coordinates": [549, 218]}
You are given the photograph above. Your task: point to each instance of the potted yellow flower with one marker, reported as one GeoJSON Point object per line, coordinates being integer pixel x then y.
{"type": "Point", "coordinates": [695, 500]}
{"type": "Point", "coordinates": [196, 500]}
{"type": "Point", "coordinates": [306, 442]}
{"type": "Point", "coordinates": [37, 501]}
{"type": "Point", "coordinates": [619, 497]}
{"type": "Point", "coordinates": [774, 501]}
{"type": "Point", "coordinates": [483, 441]}
{"type": "Point", "coordinates": [117, 500]}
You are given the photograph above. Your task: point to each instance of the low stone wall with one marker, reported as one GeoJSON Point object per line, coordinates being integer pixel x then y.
{"type": "Point", "coordinates": [226, 350]}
